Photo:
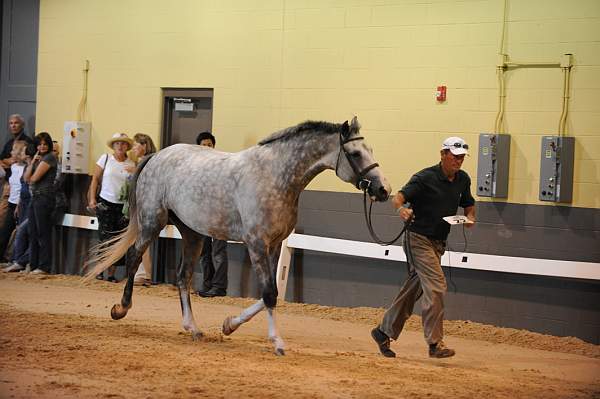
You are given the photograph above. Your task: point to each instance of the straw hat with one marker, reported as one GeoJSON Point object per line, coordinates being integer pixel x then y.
{"type": "Point", "coordinates": [120, 137]}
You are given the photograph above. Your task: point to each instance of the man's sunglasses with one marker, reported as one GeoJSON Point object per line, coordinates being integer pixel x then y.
{"type": "Point", "coordinates": [459, 145]}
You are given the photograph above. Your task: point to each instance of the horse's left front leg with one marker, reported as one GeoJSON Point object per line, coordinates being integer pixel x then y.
{"type": "Point", "coordinates": [192, 247]}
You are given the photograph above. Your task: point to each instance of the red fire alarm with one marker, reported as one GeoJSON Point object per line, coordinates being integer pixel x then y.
{"type": "Point", "coordinates": [440, 93]}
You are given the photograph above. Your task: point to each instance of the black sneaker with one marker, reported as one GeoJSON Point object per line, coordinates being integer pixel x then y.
{"type": "Point", "coordinates": [213, 292]}
{"type": "Point", "coordinates": [440, 351]}
{"type": "Point", "coordinates": [383, 341]}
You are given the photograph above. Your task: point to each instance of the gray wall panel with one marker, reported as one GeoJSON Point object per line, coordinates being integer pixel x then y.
{"type": "Point", "coordinates": [18, 67]}
{"type": "Point", "coordinates": [502, 229]}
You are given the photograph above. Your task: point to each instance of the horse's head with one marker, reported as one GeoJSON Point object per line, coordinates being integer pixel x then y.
{"type": "Point", "coordinates": [358, 166]}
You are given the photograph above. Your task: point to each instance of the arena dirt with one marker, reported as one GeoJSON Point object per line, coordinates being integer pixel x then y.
{"type": "Point", "coordinates": [57, 340]}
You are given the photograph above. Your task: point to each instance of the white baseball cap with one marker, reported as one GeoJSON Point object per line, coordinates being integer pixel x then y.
{"type": "Point", "coordinates": [456, 145]}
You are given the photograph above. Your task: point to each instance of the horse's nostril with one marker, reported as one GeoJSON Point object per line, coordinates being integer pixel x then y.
{"type": "Point", "coordinates": [383, 192]}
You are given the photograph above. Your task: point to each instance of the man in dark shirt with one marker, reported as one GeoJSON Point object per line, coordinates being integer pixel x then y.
{"type": "Point", "coordinates": [214, 252]}
{"type": "Point", "coordinates": [16, 126]}
{"type": "Point", "coordinates": [432, 193]}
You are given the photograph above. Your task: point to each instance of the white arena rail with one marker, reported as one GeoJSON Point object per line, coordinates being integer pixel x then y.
{"type": "Point", "coordinates": [464, 260]}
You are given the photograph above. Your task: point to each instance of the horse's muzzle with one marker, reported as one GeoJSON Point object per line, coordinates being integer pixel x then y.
{"type": "Point", "coordinates": [379, 193]}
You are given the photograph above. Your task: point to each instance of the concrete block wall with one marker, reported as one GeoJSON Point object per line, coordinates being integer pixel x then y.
{"type": "Point", "coordinates": [274, 64]}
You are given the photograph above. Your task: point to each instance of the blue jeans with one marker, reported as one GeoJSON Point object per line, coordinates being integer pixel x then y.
{"type": "Point", "coordinates": [21, 245]}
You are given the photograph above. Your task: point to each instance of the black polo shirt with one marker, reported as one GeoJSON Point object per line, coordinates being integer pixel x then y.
{"type": "Point", "coordinates": [433, 197]}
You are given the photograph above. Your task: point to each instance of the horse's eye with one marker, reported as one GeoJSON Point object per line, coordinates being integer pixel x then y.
{"type": "Point", "coordinates": [355, 154]}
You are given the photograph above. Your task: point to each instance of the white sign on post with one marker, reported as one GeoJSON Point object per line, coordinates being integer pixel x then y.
{"type": "Point", "coordinates": [76, 147]}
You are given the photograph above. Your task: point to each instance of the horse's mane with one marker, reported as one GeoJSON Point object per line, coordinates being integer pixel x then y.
{"type": "Point", "coordinates": [294, 131]}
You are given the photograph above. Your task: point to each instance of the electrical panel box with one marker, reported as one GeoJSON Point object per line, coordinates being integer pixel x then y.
{"type": "Point", "coordinates": [556, 168]}
{"type": "Point", "coordinates": [76, 147]}
{"type": "Point", "coordinates": [492, 165]}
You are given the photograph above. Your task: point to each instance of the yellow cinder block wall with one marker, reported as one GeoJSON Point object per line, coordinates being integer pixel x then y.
{"type": "Point", "coordinates": [273, 64]}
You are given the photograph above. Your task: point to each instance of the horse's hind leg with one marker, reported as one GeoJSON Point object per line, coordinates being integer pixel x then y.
{"type": "Point", "coordinates": [266, 273]}
{"type": "Point", "coordinates": [232, 323]}
{"type": "Point", "coordinates": [133, 259]}
{"type": "Point", "coordinates": [150, 230]}
{"type": "Point", "coordinates": [192, 247]}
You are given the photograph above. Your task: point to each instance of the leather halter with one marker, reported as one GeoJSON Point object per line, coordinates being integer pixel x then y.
{"type": "Point", "coordinates": [362, 183]}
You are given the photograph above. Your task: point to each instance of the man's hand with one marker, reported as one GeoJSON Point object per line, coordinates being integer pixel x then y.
{"type": "Point", "coordinates": [406, 214]}
{"type": "Point", "coordinates": [470, 214]}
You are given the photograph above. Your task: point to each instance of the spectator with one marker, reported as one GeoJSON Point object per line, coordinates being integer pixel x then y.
{"type": "Point", "coordinates": [20, 255]}
{"type": "Point", "coordinates": [16, 168]}
{"type": "Point", "coordinates": [213, 258]}
{"type": "Point", "coordinates": [142, 147]}
{"type": "Point", "coordinates": [41, 173]}
{"type": "Point", "coordinates": [16, 126]}
{"type": "Point", "coordinates": [110, 175]}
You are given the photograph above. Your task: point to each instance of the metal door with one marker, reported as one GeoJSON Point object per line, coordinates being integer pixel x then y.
{"type": "Point", "coordinates": [18, 67]}
{"type": "Point", "coordinates": [187, 112]}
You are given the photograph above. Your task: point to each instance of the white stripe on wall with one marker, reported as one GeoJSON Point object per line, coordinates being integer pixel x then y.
{"type": "Point", "coordinates": [496, 263]}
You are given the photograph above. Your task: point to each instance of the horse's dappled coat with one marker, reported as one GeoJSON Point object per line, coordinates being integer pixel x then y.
{"type": "Point", "coordinates": [250, 196]}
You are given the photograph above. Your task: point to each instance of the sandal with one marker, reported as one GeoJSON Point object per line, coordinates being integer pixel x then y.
{"type": "Point", "coordinates": [111, 279]}
{"type": "Point", "coordinates": [99, 277]}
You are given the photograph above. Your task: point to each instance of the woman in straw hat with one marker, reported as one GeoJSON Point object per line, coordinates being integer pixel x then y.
{"type": "Point", "coordinates": [109, 176]}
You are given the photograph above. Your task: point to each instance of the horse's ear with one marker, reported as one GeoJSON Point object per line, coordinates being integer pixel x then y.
{"type": "Point", "coordinates": [345, 130]}
{"type": "Point", "coordinates": [354, 125]}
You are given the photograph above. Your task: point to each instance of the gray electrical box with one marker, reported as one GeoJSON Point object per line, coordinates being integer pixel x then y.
{"type": "Point", "coordinates": [556, 168]}
{"type": "Point", "coordinates": [492, 165]}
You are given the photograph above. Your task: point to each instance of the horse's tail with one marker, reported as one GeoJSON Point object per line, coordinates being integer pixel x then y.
{"type": "Point", "coordinates": [106, 253]}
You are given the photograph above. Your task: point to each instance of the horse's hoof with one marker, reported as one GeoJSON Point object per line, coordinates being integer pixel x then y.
{"type": "Point", "coordinates": [197, 335]}
{"type": "Point", "coordinates": [280, 352]}
{"type": "Point", "coordinates": [228, 326]}
{"type": "Point", "coordinates": [117, 312]}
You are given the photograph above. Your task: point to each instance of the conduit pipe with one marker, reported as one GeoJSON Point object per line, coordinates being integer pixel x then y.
{"type": "Point", "coordinates": [500, 69]}
{"type": "Point", "coordinates": [566, 68]}
{"type": "Point", "coordinates": [504, 64]}
{"type": "Point", "coordinates": [81, 109]}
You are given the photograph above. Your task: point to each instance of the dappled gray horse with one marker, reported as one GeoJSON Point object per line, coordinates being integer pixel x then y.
{"type": "Point", "coordinates": [250, 196]}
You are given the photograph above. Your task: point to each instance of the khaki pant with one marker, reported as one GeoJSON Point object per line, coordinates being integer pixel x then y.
{"type": "Point", "coordinates": [426, 278]}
